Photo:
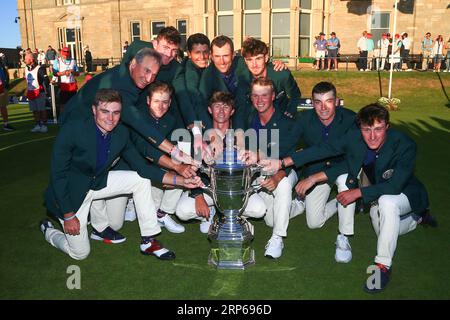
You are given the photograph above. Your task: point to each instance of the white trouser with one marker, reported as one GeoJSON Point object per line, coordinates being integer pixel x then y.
{"type": "Point", "coordinates": [119, 183]}
{"type": "Point", "coordinates": [390, 218]}
{"type": "Point", "coordinates": [111, 211]}
{"type": "Point", "coordinates": [166, 199]}
{"type": "Point", "coordinates": [318, 210]}
{"type": "Point", "coordinates": [381, 61]}
{"type": "Point", "coordinates": [186, 207]}
{"type": "Point", "coordinates": [278, 204]}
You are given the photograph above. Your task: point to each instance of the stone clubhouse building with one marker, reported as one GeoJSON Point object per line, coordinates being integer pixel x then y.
{"type": "Point", "coordinates": [288, 26]}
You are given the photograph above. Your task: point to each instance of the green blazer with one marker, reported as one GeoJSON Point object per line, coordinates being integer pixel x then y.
{"type": "Point", "coordinates": [287, 93]}
{"type": "Point", "coordinates": [394, 166]}
{"type": "Point", "coordinates": [211, 81]}
{"type": "Point", "coordinates": [73, 164]}
{"type": "Point", "coordinates": [308, 129]}
{"type": "Point", "coordinates": [165, 126]}
{"type": "Point", "coordinates": [284, 124]}
{"type": "Point", "coordinates": [118, 78]}
{"type": "Point", "coordinates": [192, 76]}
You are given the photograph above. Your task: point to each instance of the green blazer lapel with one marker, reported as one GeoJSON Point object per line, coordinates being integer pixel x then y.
{"type": "Point", "coordinates": [384, 156]}
{"type": "Point", "coordinates": [90, 139]}
{"type": "Point", "coordinates": [114, 150]}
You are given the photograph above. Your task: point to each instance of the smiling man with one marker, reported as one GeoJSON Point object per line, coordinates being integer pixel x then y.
{"type": "Point", "coordinates": [83, 155]}
{"type": "Point", "coordinates": [325, 123]}
{"type": "Point", "coordinates": [399, 201]}
{"type": "Point", "coordinates": [287, 92]}
{"type": "Point", "coordinates": [269, 123]}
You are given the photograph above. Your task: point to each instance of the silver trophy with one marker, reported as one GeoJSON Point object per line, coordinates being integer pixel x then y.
{"type": "Point", "coordinates": [230, 234]}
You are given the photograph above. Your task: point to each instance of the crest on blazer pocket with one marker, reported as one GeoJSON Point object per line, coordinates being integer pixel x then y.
{"type": "Point", "coordinates": [115, 161]}
{"type": "Point", "coordinates": [388, 174]}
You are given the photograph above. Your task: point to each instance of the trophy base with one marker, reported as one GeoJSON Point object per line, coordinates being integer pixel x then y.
{"type": "Point", "coordinates": [231, 246]}
{"type": "Point", "coordinates": [231, 258]}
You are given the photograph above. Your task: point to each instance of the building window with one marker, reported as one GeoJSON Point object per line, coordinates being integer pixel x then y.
{"type": "Point", "coordinates": [61, 38]}
{"type": "Point", "coordinates": [281, 4]}
{"type": "Point", "coordinates": [252, 19]}
{"type": "Point", "coordinates": [71, 37]}
{"type": "Point", "coordinates": [182, 29]}
{"type": "Point", "coordinates": [304, 35]}
{"type": "Point", "coordinates": [206, 26]}
{"type": "Point", "coordinates": [252, 4]}
{"type": "Point", "coordinates": [155, 28]}
{"type": "Point", "coordinates": [225, 18]}
{"type": "Point", "coordinates": [379, 24]}
{"type": "Point", "coordinates": [224, 5]}
{"type": "Point", "coordinates": [280, 30]}
{"type": "Point", "coordinates": [305, 4]}
{"type": "Point", "coordinates": [135, 31]}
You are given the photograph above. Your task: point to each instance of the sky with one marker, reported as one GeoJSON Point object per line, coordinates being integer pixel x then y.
{"type": "Point", "coordinates": [9, 31]}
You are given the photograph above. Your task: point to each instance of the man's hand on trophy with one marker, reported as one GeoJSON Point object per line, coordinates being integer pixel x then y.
{"type": "Point", "coordinates": [207, 154]}
{"type": "Point", "coordinates": [186, 170]}
{"type": "Point", "coordinates": [270, 165]}
{"type": "Point", "coordinates": [201, 207]}
{"type": "Point", "coordinates": [198, 146]}
{"type": "Point", "coordinates": [192, 183]}
{"type": "Point", "coordinates": [248, 157]}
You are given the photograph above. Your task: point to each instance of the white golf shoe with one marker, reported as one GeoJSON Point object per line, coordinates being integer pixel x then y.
{"type": "Point", "coordinates": [343, 249]}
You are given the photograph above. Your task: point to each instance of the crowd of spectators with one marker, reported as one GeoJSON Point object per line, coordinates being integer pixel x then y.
{"type": "Point", "coordinates": [379, 55]}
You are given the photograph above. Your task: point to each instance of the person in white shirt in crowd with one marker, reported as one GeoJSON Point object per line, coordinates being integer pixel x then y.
{"type": "Point", "coordinates": [438, 49]}
{"type": "Point", "coordinates": [406, 48]}
{"type": "Point", "coordinates": [427, 51]}
{"type": "Point", "coordinates": [383, 45]}
{"type": "Point", "coordinates": [370, 46]}
{"type": "Point", "coordinates": [395, 57]}
{"type": "Point", "coordinates": [37, 81]}
{"type": "Point", "coordinates": [41, 58]}
{"type": "Point", "coordinates": [362, 48]}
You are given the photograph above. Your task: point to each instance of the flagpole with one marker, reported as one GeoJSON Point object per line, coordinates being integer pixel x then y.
{"type": "Point", "coordinates": [392, 50]}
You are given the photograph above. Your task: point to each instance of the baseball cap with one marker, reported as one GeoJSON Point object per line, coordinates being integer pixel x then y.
{"type": "Point", "coordinates": [65, 49]}
{"type": "Point", "coordinates": [333, 33]}
{"type": "Point", "coordinates": [321, 34]}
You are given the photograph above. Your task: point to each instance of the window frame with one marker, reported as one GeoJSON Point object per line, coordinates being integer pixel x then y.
{"type": "Point", "coordinates": [222, 14]}
{"type": "Point", "coordinates": [245, 13]}
{"type": "Point", "coordinates": [132, 36]}
{"type": "Point", "coordinates": [272, 36]}
{"type": "Point", "coordinates": [152, 34]}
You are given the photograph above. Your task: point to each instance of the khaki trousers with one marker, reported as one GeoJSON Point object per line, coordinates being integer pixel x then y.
{"type": "Point", "coordinates": [319, 209]}
{"type": "Point", "coordinates": [390, 218]}
{"type": "Point", "coordinates": [278, 204]}
{"type": "Point", "coordinates": [119, 183]}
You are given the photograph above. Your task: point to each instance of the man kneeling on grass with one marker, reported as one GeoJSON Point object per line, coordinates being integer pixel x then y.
{"type": "Point", "coordinates": [399, 201]}
{"type": "Point", "coordinates": [83, 154]}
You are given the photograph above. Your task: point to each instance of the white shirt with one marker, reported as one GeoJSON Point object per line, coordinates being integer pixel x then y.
{"type": "Point", "coordinates": [406, 43]}
{"type": "Point", "coordinates": [362, 44]}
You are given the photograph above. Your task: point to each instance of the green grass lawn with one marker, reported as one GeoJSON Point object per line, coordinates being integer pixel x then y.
{"type": "Point", "coordinates": [32, 269]}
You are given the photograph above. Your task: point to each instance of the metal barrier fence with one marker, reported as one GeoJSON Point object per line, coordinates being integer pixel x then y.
{"type": "Point", "coordinates": [413, 61]}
